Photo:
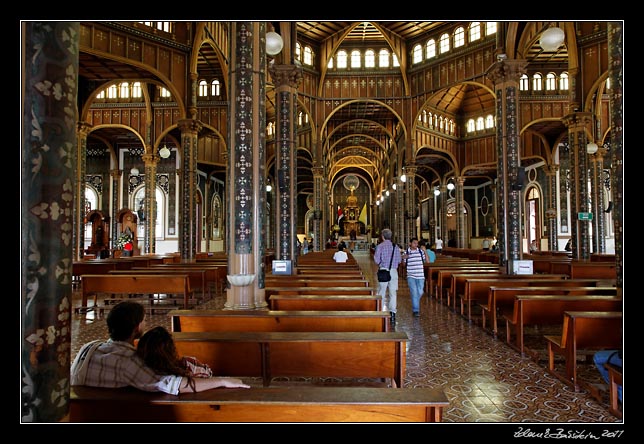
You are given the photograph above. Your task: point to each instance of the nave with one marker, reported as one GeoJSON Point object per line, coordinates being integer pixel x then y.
{"type": "Point", "coordinates": [485, 380]}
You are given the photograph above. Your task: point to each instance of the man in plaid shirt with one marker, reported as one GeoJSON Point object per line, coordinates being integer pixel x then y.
{"type": "Point", "coordinates": [115, 363]}
{"type": "Point", "coordinates": [382, 257]}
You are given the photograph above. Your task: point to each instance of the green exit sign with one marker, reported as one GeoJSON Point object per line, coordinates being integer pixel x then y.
{"type": "Point", "coordinates": [585, 216]}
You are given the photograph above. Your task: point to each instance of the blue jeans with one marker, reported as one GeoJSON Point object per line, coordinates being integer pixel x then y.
{"type": "Point", "coordinates": [416, 287]}
{"type": "Point", "coordinates": [603, 356]}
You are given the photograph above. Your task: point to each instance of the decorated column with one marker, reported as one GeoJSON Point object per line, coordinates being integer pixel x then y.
{"type": "Point", "coordinates": [286, 79]}
{"type": "Point", "coordinates": [150, 203]}
{"type": "Point", "coordinates": [460, 213]}
{"type": "Point", "coordinates": [188, 235]}
{"type": "Point", "coordinates": [50, 205]}
{"type": "Point", "coordinates": [505, 74]}
{"type": "Point", "coordinates": [319, 204]}
{"type": "Point", "coordinates": [245, 188]}
{"type": "Point", "coordinates": [577, 122]}
{"type": "Point", "coordinates": [551, 204]}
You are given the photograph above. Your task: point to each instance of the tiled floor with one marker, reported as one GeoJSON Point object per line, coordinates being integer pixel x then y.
{"type": "Point", "coordinates": [485, 380]}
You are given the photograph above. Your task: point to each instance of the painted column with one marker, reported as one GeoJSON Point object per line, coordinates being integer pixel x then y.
{"type": "Point", "coordinates": [460, 213]}
{"type": "Point", "coordinates": [50, 204]}
{"type": "Point", "coordinates": [117, 178]}
{"type": "Point", "coordinates": [616, 63]}
{"type": "Point", "coordinates": [505, 74]}
{"type": "Point", "coordinates": [83, 130]}
{"type": "Point", "coordinates": [400, 206]}
{"type": "Point", "coordinates": [151, 162]}
{"type": "Point", "coordinates": [245, 188]}
{"type": "Point", "coordinates": [577, 122]}
{"type": "Point", "coordinates": [286, 79]}
{"type": "Point", "coordinates": [319, 226]}
{"type": "Point", "coordinates": [551, 203]}
{"type": "Point", "coordinates": [188, 235]}
{"type": "Point", "coordinates": [442, 213]}
{"type": "Point", "coordinates": [412, 206]}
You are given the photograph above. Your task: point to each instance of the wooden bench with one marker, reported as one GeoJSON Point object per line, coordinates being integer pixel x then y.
{"type": "Point", "coordinates": [269, 354]}
{"type": "Point", "coordinates": [365, 291]}
{"type": "Point", "coordinates": [457, 284]}
{"type": "Point", "coordinates": [256, 405]}
{"type": "Point", "coordinates": [583, 331]}
{"type": "Point", "coordinates": [197, 277]}
{"type": "Point", "coordinates": [444, 279]}
{"type": "Point", "coordinates": [431, 271]}
{"type": "Point", "coordinates": [476, 290]}
{"type": "Point", "coordinates": [501, 298]}
{"type": "Point", "coordinates": [135, 284]}
{"type": "Point", "coordinates": [317, 282]}
{"type": "Point", "coordinates": [278, 320]}
{"type": "Point", "coordinates": [541, 310]}
{"type": "Point", "coordinates": [325, 302]}
{"type": "Point", "coordinates": [215, 274]}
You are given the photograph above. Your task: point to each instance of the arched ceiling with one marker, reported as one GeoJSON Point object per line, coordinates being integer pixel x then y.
{"type": "Point", "coordinates": [360, 133]}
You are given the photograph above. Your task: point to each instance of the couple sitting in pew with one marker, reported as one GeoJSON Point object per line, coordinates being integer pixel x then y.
{"type": "Point", "coordinates": [153, 366]}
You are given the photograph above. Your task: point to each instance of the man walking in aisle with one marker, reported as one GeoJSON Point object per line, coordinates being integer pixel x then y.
{"type": "Point", "coordinates": [388, 256]}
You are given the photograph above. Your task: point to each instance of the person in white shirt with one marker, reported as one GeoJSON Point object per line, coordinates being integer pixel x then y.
{"type": "Point", "coordinates": [340, 255]}
{"type": "Point", "coordinates": [439, 245]}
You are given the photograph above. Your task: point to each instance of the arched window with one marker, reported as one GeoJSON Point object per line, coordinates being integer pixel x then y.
{"type": "Point", "coordinates": [342, 59]}
{"type": "Point", "coordinates": [551, 82]}
{"type": "Point", "coordinates": [490, 28]}
{"type": "Point", "coordinates": [369, 59]}
{"type": "Point", "coordinates": [475, 31]}
{"type": "Point", "coordinates": [383, 58]}
{"type": "Point", "coordinates": [537, 82]}
{"type": "Point", "coordinates": [563, 81]}
{"type": "Point", "coordinates": [459, 37]}
{"type": "Point", "coordinates": [215, 88]}
{"type": "Point", "coordinates": [524, 83]}
{"type": "Point", "coordinates": [417, 54]}
{"type": "Point", "coordinates": [163, 92]}
{"type": "Point", "coordinates": [480, 124]}
{"type": "Point", "coordinates": [489, 121]}
{"type": "Point", "coordinates": [356, 59]}
{"type": "Point", "coordinates": [203, 88]}
{"type": "Point", "coordinates": [124, 90]}
{"type": "Point", "coordinates": [330, 64]}
{"type": "Point", "coordinates": [308, 56]}
{"type": "Point", "coordinates": [395, 60]}
{"type": "Point", "coordinates": [430, 49]}
{"type": "Point", "coordinates": [298, 51]}
{"type": "Point", "coordinates": [444, 43]}
{"type": "Point", "coordinates": [430, 119]}
{"type": "Point", "coordinates": [471, 126]}
{"type": "Point", "coordinates": [136, 90]}
{"type": "Point", "coordinates": [112, 92]}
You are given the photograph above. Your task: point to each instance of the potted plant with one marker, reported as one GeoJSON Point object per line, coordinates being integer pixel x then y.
{"type": "Point", "coordinates": [125, 243]}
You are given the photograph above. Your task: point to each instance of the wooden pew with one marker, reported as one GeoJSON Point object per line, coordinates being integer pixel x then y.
{"type": "Point", "coordinates": [431, 271]}
{"type": "Point", "coordinates": [583, 331]}
{"type": "Point", "coordinates": [278, 320]}
{"type": "Point", "coordinates": [325, 302]}
{"type": "Point", "coordinates": [541, 310]}
{"type": "Point", "coordinates": [94, 284]}
{"type": "Point", "coordinates": [215, 274]}
{"type": "Point", "coordinates": [317, 282]}
{"type": "Point", "coordinates": [501, 298]}
{"type": "Point", "coordinates": [476, 290]}
{"type": "Point", "coordinates": [444, 279]}
{"type": "Point", "coordinates": [257, 405]}
{"type": "Point", "coordinates": [197, 277]}
{"type": "Point", "coordinates": [365, 291]}
{"type": "Point", "coordinates": [269, 354]}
